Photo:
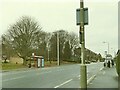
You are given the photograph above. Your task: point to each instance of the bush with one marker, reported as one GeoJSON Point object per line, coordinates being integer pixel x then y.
{"type": "Point", "coordinates": [118, 63]}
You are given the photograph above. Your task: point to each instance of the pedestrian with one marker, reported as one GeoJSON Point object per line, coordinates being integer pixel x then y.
{"type": "Point", "coordinates": [29, 65]}
{"type": "Point", "coordinates": [112, 62]}
{"type": "Point", "coordinates": [108, 64]}
{"type": "Point", "coordinates": [104, 64]}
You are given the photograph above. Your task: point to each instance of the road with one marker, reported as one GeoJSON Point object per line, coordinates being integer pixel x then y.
{"type": "Point", "coordinates": [65, 76]}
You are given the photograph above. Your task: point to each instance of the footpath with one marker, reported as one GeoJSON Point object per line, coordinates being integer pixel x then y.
{"type": "Point", "coordinates": [106, 78]}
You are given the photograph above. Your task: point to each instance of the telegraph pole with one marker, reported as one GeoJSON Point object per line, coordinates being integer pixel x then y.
{"type": "Point", "coordinates": [83, 79]}
{"type": "Point", "coordinates": [58, 61]}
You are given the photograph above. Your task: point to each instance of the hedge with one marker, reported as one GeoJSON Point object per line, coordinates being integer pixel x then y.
{"type": "Point", "coordinates": [118, 63]}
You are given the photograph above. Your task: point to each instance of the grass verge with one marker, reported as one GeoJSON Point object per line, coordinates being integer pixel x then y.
{"type": "Point", "coordinates": [11, 66]}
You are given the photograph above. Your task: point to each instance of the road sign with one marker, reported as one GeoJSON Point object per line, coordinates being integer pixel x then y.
{"type": "Point", "coordinates": [85, 16]}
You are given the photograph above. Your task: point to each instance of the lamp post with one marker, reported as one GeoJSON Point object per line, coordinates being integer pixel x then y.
{"type": "Point", "coordinates": [108, 46]}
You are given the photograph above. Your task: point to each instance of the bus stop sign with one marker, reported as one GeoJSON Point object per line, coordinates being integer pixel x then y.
{"type": "Point", "coordinates": [85, 16]}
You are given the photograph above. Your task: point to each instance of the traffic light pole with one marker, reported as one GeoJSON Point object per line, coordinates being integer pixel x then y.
{"type": "Point", "coordinates": [83, 79]}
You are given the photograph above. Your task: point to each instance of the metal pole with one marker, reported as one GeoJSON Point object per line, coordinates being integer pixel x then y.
{"type": "Point", "coordinates": [83, 79]}
{"type": "Point", "coordinates": [58, 61]}
{"type": "Point", "coordinates": [48, 54]}
{"type": "Point", "coordinates": [108, 47]}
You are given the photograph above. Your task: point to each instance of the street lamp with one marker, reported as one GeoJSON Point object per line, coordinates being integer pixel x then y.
{"type": "Point", "coordinates": [108, 46]}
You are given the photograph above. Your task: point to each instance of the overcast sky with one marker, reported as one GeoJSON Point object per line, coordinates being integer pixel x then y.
{"type": "Point", "coordinates": [119, 26]}
{"type": "Point", "coordinates": [61, 14]}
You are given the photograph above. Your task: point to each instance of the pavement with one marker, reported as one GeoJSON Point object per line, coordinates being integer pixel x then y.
{"type": "Point", "coordinates": [105, 78]}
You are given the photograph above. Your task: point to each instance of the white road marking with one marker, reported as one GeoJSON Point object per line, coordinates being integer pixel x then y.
{"type": "Point", "coordinates": [63, 83]}
{"type": "Point", "coordinates": [20, 72]}
{"type": "Point", "coordinates": [90, 79]}
{"type": "Point", "coordinates": [101, 69]}
{"type": "Point", "coordinates": [44, 72]}
{"type": "Point", "coordinates": [17, 72]}
{"type": "Point", "coordinates": [25, 76]}
{"type": "Point", "coordinates": [60, 69]}
{"type": "Point", "coordinates": [103, 72]}
{"type": "Point", "coordinates": [13, 78]}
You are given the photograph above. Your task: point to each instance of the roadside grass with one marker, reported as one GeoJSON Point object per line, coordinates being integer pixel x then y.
{"type": "Point", "coordinates": [54, 63]}
{"type": "Point", "coordinates": [11, 66]}
{"type": "Point", "coordinates": [50, 64]}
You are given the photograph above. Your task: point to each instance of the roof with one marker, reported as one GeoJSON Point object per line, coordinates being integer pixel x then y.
{"type": "Point", "coordinates": [109, 55]}
{"type": "Point", "coordinates": [38, 56]}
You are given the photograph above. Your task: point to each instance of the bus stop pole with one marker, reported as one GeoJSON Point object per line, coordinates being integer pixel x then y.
{"type": "Point", "coordinates": [83, 79]}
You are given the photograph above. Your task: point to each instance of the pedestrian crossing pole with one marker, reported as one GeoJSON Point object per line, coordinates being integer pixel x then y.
{"type": "Point", "coordinates": [83, 79]}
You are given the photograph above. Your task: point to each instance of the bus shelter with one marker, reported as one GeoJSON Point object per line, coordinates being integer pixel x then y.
{"type": "Point", "coordinates": [38, 61]}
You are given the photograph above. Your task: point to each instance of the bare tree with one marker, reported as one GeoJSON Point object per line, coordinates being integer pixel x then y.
{"type": "Point", "coordinates": [23, 36]}
{"type": "Point", "coordinates": [48, 45]}
{"type": "Point", "coordinates": [7, 49]}
{"type": "Point", "coordinates": [74, 42]}
{"type": "Point", "coordinates": [39, 44]}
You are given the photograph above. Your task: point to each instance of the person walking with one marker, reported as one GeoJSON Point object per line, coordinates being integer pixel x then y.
{"type": "Point", "coordinates": [105, 63]}
{"type": "Point", "coordinates": [108, 64]}
{"type": "Point", "coordinates": [112, 62]}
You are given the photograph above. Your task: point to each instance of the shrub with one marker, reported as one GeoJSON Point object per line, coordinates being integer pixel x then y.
{"type": "Point", "coordinates": [118, 63]}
